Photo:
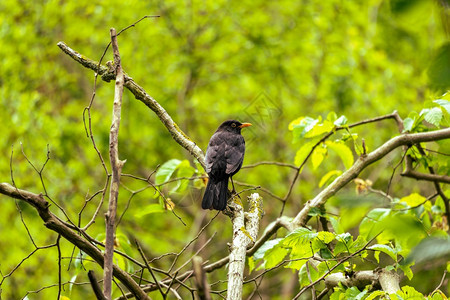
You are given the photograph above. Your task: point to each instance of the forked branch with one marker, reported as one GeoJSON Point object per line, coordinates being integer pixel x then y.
{"type": "Point", "coordinates": [178, 135]}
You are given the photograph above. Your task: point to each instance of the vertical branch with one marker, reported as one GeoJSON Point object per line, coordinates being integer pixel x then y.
{"type": "Point", "coordinates": [203, 289]}
{"type": "Point", "coordinates": [244, 235]}
{"type": "Point", "coordinates": [58, 247]}
{"type": "Point", "coordinates": [116, 166]}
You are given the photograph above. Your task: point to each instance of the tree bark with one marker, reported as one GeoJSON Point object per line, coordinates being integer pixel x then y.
{"type": "Point", "coordinates": [243, 236]}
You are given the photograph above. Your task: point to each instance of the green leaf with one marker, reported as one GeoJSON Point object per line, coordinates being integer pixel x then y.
{"type": "Point", "coordinates": [150, 209]}
{"type": "Point", "coordinates": [295, 122]}
{"type": "Point", "coordinates": [327, 177]}
{"type": "Point", "coordinates": [319, 129]}
{"type": "Point", "coordinates": [444, 103]}
{"type": "Point", "coordinates": [251, 264]}
{"type": "Point", "coordinates": [376, 294]}
{"type": "Point", "coordinates": [335, 223]}
{"type": "Point", "coordinates": [303, 152]}
{"type": "Point", "coordinates": [343, 151]}
{"type": "Point", "coordinates": [317, 212]}
{"type": "Point", "coordinates": [124, 243]}
{"type": "Point", "coordinates": [345, 240]}
{"type": "Point", "coordinates": [274, 256]}
{"type": "Point", "coordinates": [259, 254]}
{"type": "Point", "coordinates": [408, 124]}
{"type": "Point", "coordinates": [299, 256]}
{"type": "Point", "coordinates": [337, 295]}
{"type": "Point", "coordinates": [354, 294]}
{"type": "Point", "coordinates": [317, 156]}
{"type": "Point", "coordinates": [305, 125]}
{"type": "Point", "coordinates": [314, 273]}
{"type": "Point", "coordinates": [184, 170]}
{"type": "Point", "coordinates": [409, 293]}
{"type": "Point", "coordinates": [438, 295]}
{"type": "Point", "coordinates": [166, 170]}
{"type": "Point", "coordinates": [412, 121]}
{"type": "Point", "coordinates": [358, 244]}
{"type": "Point", "coordinates": [325, 236]}
{"type": "Point", "coordinates": [433, 115]}
{"type": "Point", "coordinates": [414, 200]}
{"type": "Point", "coordinates": [406, 268]}
{"type": "Point", "coordinates": [385, 249]}
{"type": "Point", "coordinates": [332, 116]}
{"type": "Point", "coordinates": [342, 120]}
{"type": "Point", "coordinates": [370, 226]}
{"type": "Point", "coordinates": [299, 236]}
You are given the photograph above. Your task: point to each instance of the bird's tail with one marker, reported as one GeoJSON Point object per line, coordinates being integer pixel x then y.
{"type": "Point", "coordinates": [216, 195]}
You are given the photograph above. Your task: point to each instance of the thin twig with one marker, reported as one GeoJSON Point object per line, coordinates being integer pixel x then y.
{"type": "Point", "coordinates": [163, 294]}
{"type": "Point", "coordinates": [334, 267]}
{"type": "Point", "coordinates": [440, 283]}
{"type": "Point", "coordinates": [58, 246]}
{"type": "Point", "coordinates": [393, 115]}
{"type": "Point", "coordinates": [190, 242]}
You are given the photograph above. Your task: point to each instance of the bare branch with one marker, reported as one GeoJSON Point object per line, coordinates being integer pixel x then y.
{"type": "Point", "coordinates": [54, 223]}
{"type": "Point", "coordinates": [203, 289]}
{"type": "Point", "coordinates": [178, 135]}
{"type": "Point", "coordinates": [273, 163]}
{"type": "Point", "coordinates": [116, 166]}
{"type": "Point", "coordinates": [58, 246]}
{"type": "Point", "coordinates": [410, 172]}
{"type": "Point", "coordinates": [150, 269]}
{"type": "Point", "coordinates": [95, 286]}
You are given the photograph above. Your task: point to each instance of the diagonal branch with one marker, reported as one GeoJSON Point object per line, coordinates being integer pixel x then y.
{"type": "Point", "coordinates": [52, 222]}
{"type": "Point", "coordinates": [177, 134]}
{"type": "Point", "coordinates": [362, 163]}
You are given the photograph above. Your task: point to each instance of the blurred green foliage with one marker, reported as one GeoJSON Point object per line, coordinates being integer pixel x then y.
{"type": "Point", "coordinates": [205, 61]}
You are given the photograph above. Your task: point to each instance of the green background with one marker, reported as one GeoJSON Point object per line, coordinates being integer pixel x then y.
{"type": "Point", "coordinates": [204, 61]}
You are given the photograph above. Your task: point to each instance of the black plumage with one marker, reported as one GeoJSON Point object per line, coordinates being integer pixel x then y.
{"type": "Point", "coordinates": [224, 158]}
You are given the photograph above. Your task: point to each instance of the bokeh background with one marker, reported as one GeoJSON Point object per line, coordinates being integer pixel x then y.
{"type": "Point", "coordinates": [265, 62]}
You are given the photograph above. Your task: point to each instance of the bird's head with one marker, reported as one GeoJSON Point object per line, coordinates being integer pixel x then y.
{"type": "Point", "coordinates": [233, 126]}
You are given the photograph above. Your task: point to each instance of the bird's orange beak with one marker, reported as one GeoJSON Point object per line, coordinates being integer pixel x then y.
{"type": "Point", "coordinates": [245, 125]}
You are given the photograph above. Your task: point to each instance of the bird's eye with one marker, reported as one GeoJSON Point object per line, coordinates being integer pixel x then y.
{"type": "Point", "coordinates": [233, 125]}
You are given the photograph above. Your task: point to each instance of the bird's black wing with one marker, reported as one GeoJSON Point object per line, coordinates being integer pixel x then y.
{"type": "Point", "coordinates": [215, 156]}
{"type": "Point", "coordinates": [234, 153]}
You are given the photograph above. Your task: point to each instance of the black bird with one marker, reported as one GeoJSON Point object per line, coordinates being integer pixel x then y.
{"type": "Point", "coordinates": [224, 158]}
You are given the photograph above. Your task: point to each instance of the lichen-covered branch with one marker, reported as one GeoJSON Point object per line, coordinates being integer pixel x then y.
{"type": "Point", "coordinates": [244, 234]}
{"type": "Point", "coordinates": [387, 281]}
{"type": "Point", "coordinates": [139, 93]}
